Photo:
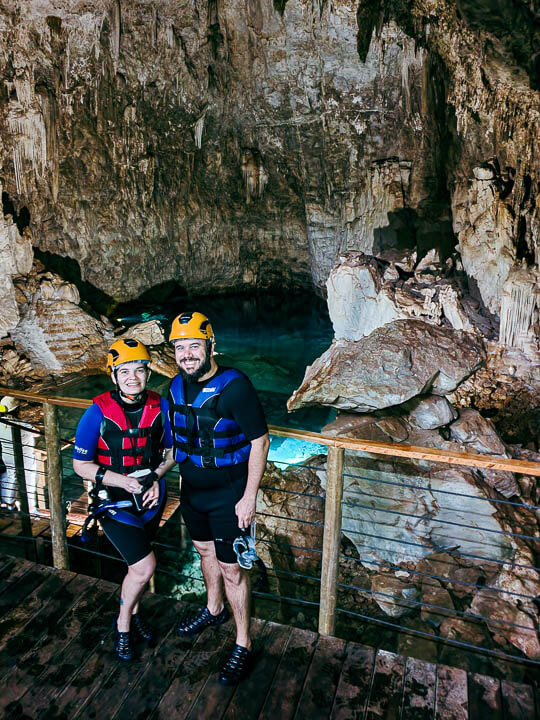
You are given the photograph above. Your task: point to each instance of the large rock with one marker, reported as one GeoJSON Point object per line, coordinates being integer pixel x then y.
{"type": "Point", "coordinates": [478, 433]}
{"type": "Point", "coordinates": [357, 301]}
{"type": "Point", "coordinates": [364, 295]}
{"type": "Point", "coordinates": [56, 334]}
{"type": "Point", "coordinates": [485, 225]}
{"type": "Point", "coordinates": [395, 363]}
{"type": "Point", "coordinates": [429, 412]}
{"type": "Point", "coordinates": [16, 257]}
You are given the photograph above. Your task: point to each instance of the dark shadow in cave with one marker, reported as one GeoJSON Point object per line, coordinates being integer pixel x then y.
{"type": "Point", "coordinates": [93, 299]}
{"type": "Point", "coordinates": [400, 232]}
{"type": "Point", "coordinates": [21, 218]}
{"type": "Point", "coordinates": [155, 298]}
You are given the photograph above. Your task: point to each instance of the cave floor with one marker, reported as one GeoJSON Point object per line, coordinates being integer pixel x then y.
{"type": "Point", "coordinates": [56, 660]}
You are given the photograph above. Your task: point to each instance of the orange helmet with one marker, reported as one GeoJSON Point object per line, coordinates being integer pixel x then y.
{"type": "Point", "coordinates": [125, 351]}
{"type": "Point", "coordinates": [191, 325]}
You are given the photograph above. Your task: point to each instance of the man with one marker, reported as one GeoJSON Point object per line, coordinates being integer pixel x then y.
{"type": "Point", "coordinates": [221, 442]}
{"type": "Point", "coordinates": [123, 444]}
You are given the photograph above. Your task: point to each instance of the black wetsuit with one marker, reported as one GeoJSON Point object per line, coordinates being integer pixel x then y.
{"type": "Point", "coordinates": [209, 495]}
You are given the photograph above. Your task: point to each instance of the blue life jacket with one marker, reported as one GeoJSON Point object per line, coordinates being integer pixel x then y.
{"type": "Point", "coordinates": [210, 441]}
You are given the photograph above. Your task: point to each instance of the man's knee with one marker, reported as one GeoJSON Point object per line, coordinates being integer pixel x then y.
{"type": "Point", "coordinates": [205, 548]}
{"type": "Point", "coordinates": [232, 573]}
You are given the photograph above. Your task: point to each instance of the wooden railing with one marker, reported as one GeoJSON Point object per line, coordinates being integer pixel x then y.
{"type": "Point", "coordinates": [334, 484]}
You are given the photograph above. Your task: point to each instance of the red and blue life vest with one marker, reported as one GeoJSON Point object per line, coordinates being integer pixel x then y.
{"type": "Point", "coordinates": [122, 448]}
{"type": "Point", "coordinates": [199, 433]}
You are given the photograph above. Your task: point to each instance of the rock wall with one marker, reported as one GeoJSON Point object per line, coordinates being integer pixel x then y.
{"type": "Point", "coordinates": [214, 144]}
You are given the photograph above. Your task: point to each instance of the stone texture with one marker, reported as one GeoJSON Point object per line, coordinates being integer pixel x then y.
{"type": "Point", "coordinates": [392, 595]}
{"type": "Point", "coordinates": [221, 140]}
{"type": "Point", "coordinates": [16, 257]}
{"type": "Point", "coordinates": [364, 295]}
{"type": "Point", "coordinates": [395, 363]}
{"type": "Point", "coordinates": [54, 332]}
{"type": "Point", "coordinates": [437, 602]}
{"type": "Point", "coordinates": [478, 433]}
{"type": "Point", "coordinates": [429, 412]}
{"type": "Point", "coordinates": [502, 615]}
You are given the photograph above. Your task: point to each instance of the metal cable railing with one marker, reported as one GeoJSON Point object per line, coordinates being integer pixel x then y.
{"type": "Point", "coordinates": [378, 515]}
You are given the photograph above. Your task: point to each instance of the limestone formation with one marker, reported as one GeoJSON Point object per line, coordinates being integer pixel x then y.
{"type": "Point", "coordinates": [429, 413]}
{"type": "Point", "coordinates": [15, 259]}
{"type": "Point", "coordinates": [363, 295]}
{"type": "Point", "coordinates": [56, 334]}
{"type": "Point", "coordinates": [395, 363]}
{"type": "Point", "coordinates": [520, 311]}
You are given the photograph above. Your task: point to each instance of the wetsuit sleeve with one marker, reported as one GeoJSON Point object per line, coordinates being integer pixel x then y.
{"type": "Point", "coordinates": [167, 434]}
{"type": "Point", "coordinates": [239, 401]}
{"type": "Point", "coordinates": [87, 434]}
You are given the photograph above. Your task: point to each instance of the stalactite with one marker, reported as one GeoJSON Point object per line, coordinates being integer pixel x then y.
{"type": "Point", "coordinates": [254, 174]}
{"type": "Point", "coordinates": [154, 27]}
{"type": "Point", "coordinates": [198, 131]}
{"type": "Point", "coordinates": [30, 143]}
{"type": "Point", "coordinates": [520, 307]}
{"type": "Point", "coordinates": [115, 33]}
{"type": "Point", "coordinates": [410, 59]}
{"type": "Point", "coordinates": [169, 35]}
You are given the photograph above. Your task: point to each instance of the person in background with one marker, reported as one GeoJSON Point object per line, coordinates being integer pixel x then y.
{"type": "Point", "coordinates": [221, 443]}
{"type": "Point", "coordinates": [8, 479]}
{"type": "Point", "coordinates": [123, 444]}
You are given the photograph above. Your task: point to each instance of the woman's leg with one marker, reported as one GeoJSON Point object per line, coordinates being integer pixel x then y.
{"type": "Point", "coordinates": [137, 576]}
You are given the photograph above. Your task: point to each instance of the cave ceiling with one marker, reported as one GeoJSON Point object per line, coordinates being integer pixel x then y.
{"type": "Point", "coordinates": [226, 146]}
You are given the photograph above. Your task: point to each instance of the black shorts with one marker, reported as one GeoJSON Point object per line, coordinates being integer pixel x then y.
{"type": "Point", "coordinates": [133, 543]}
{"type": "Point", "coordinates": [209, 515]}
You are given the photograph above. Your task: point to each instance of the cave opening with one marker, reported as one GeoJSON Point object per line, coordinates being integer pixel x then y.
{"type": "Point", "coordinates": [21, 218]}
{"type": "Point", "coordinates": [93, 300]}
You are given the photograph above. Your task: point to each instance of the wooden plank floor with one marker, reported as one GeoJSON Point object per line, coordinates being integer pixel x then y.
{"type": "Point", "coordinates": [56, 661]}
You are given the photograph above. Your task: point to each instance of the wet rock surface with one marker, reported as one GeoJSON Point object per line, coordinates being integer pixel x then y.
{"type": "Point", "coordinates": [393, 364]}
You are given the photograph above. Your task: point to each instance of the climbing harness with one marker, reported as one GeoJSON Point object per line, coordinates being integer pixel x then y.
{"type": "Point", "coordinates": [100, 504]}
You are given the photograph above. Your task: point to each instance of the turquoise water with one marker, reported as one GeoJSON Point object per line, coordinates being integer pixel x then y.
{"type": "Point", "coordinates": [270, 338]}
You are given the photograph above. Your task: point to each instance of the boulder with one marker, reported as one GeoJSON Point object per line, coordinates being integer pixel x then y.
{"type": "Point", "coordinates": [56, 334]}
{"type": "Point", "coordinates": [357, 300]}
{"type": "Point", "coordinates": [368, 427]}
{"type": "Point", "coordinates": [392, 595]}
{"type": "Point", "coordinates": [395, 363]}
{"type": "Point", "coordinates": [502, 616]}
{"type": "Point", "coordinates": [477, 433]}
{"type": "Point", "coordinates": [364, 294]}
{"type": "Point", "coordinates": [437, 603]}
{"type": "Point", "coordinates": [429, 413]}
{"type": "Point", "coordinates": [150, 333]}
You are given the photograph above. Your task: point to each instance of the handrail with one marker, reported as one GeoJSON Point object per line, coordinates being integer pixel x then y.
{"type": "Point", "coordinates": [334, 486]}
{"type": "Point", "coordinates": [449, 457]}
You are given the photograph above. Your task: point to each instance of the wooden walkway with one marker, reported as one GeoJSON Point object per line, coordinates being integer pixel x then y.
{"type": "Point", "coordinates": [56, 661]}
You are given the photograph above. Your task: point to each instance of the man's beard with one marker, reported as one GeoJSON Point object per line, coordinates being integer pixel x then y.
{"type": "Point", "coordinates": [197, 375]}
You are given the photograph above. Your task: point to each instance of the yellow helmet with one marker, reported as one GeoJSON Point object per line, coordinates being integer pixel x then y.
{"type": "Point", "coordinates": [125, 351]}
{"type": "Point", "coordinates": [191, 325]}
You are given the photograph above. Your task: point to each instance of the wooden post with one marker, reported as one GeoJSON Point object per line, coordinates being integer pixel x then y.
{"type": "Point", "coordinates": [56, 491]}
{"type": "Point", "coordinates": [18, 459]}
{"type": "Point", "coordinates": [331, 540]}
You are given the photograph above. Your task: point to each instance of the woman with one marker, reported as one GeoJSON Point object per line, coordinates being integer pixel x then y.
{"type": "Point", "coordinates": [123, 444]}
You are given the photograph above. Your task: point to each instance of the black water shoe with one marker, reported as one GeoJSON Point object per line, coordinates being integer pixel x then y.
{"type": "Point", "coordinates": [123, 644]}
{"type": "Point", "coordinates": [196, 624]}
{"type": "Point", "coordinates": [141, 630]}
{"type": "Point", "coordinates": [237, 666]}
